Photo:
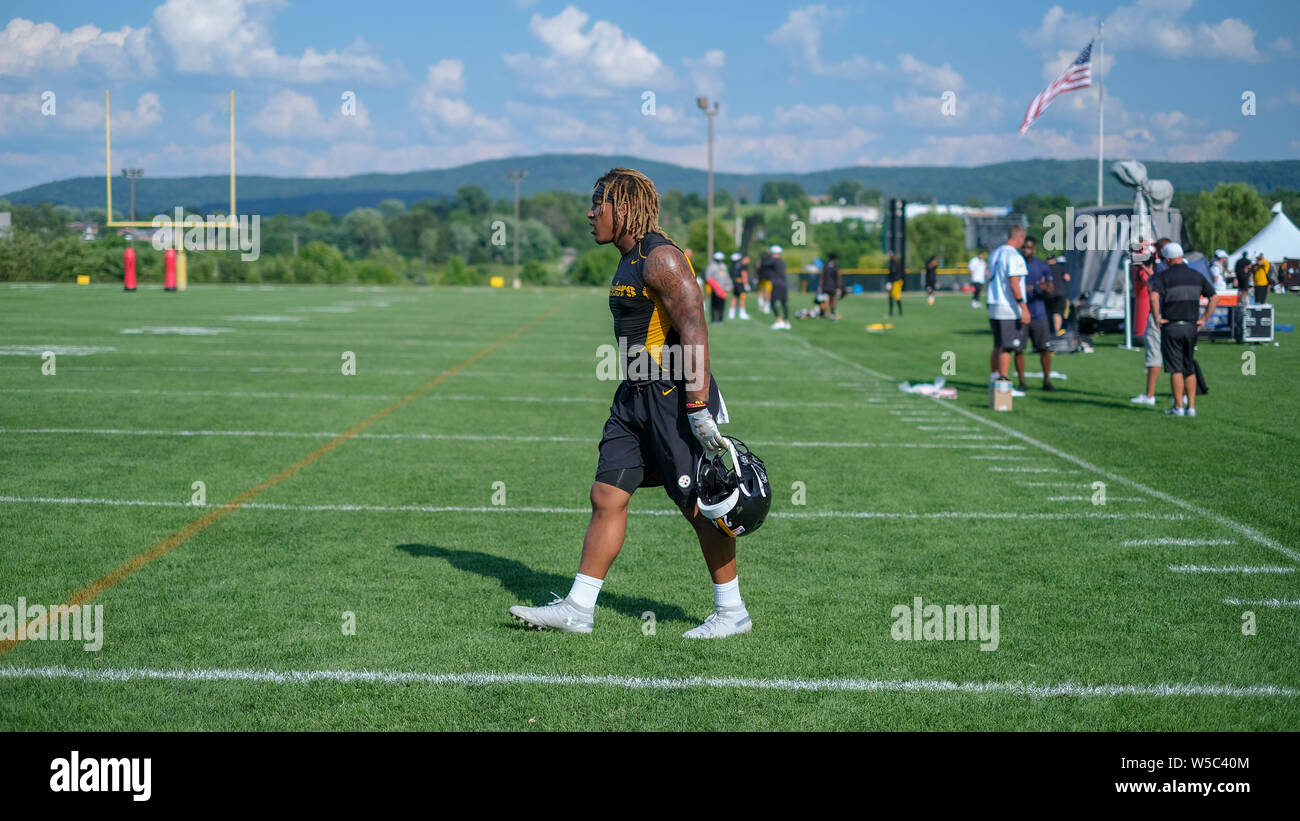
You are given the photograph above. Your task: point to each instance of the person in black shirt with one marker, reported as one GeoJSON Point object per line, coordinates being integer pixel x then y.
{"type": "Point", "coordinates": [1175, 302]}
{"type": "Point", "coordinates": [830, 284]}
{"type": "Point", "coordinates": [780, 306]}
{"type": "Point", "coordinates": [895, 283]}
{"type": "Point", "coordinates": [663, 419]}
{"type": "Point", "coordinates": [931, 278]}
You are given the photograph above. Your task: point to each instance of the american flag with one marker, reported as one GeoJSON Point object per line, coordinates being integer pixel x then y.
{"type": "Point", "coordinates": [1078, 75]}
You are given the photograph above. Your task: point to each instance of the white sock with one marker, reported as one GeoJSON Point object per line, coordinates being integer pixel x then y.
{"type": "Point", "coordinates": [585, 590]}
{"type": "Point", "coordinates": [728, 594]}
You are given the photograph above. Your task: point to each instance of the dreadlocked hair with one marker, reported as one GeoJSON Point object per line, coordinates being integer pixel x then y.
{"type": "Point", "coordinates": [625, 186]}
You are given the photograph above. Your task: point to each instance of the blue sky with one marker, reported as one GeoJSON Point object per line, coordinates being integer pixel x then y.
{"type": "Point", "coordinates": [803, 86]}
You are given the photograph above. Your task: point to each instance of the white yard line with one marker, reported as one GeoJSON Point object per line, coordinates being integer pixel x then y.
{"type": "Point", "coordinates": [996, 469]}
{"type": "Point", "coordinates": [1263, 602]}
{"type": "Point", "coordinates": [1176, 542]}
{"type": "Point", "coordinates": [1109, 499]}
{"type": "Point", "coordinates": [453, 437]}
{"type": "Point", "coordinates": [437, 397]}
{"type": "Point", "coordinates": [486, 679]}
{"type": "Point", "coordinates": [1201, 568]}
{"type": "Point", "coordinates": [576, 511]}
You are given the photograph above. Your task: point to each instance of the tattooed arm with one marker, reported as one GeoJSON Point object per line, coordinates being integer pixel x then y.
{"type": "Point", "coordinates": [673, 285]}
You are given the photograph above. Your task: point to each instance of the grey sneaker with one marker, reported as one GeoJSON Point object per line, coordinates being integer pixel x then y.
{"type": "Point", "coordinates": [722, 622]}
{"type": "Point", "coordinates": [561, 614]}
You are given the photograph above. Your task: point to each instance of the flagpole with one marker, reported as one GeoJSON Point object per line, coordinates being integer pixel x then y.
{"type": "Point", "coordinates": [1101, 107]}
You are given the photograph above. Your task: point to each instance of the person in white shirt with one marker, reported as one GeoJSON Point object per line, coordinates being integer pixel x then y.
{"type": "Point", "coordinates": [977, 270]}
{"type": "Point", "coordinates": [1008, 313]}
{"type": "Point", "coordinates": [1217, 270]}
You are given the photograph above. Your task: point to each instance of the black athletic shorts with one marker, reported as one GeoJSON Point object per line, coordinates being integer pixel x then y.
{"type": "Point", "coordinates": [1040, 331]}
{"type": "Point", "coordinates": [779, 294]}
{"type": "Point", "coordinates": [737, 288]}
{"type": "Point", "coordinates": [1008, 334]}
{"type": "Point", "coordinates": [648, 429]}
{"type": "Point", "coordinates": [1177, 346]}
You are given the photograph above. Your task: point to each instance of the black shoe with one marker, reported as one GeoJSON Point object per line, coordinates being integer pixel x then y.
{"type": "Point", "coordinates": [1022, 387]}
{"type": "Point", "coordinates": [1048, 386]}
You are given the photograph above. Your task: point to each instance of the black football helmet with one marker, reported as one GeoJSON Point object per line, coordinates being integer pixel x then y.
{"type": "Point", "coordinates": [734, 497]}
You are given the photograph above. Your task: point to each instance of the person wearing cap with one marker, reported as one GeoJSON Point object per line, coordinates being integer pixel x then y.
{"type": "Point", "coordinates": [739, 284]}
{"type": "Point", "coordinates": [1242, 272]}
{"type": "Point", "coordinates": [1175, 301]}
{"type": "Point", "coordinates": [776, 272]}
{"type": "Point", "coordinates": [1259, 272]}
{"type": "Point", "coordinates": [978, 267]}
{"type": "Point", "coordinates": [719, 283]}
{"type": "Point", "coordinates": [1218, 270]}
{"type": "Point", "coordinates": [1144, 271]}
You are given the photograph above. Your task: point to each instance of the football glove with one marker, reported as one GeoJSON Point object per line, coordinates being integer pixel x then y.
{"type": "Point", "coordinates": [706, 431]}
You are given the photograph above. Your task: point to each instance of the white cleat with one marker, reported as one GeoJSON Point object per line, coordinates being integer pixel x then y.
{"type": "Point", "coordinates": [1143, 399]}
{"type": "Point", "coordinates": [561, 614]}
{"type": "Point", "coordinates": [722, 622]}
{"type": "Point", "coordinates": [744, 314]}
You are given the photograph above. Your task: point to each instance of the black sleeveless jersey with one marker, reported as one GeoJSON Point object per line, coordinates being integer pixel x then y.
{"type": "Point", "coordinates": [649, 345]}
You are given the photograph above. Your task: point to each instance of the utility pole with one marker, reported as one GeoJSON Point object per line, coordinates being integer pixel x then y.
{"type": "Point", "coordinates": [710, 111]}
{"type": "Point", "coordinates": [518, 175]}
{"type": "Point", "coordinates": [131, 174]}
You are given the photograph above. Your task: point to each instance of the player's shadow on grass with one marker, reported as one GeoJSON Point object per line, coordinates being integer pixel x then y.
{"type": "Point", "coordinates": [532, 587]}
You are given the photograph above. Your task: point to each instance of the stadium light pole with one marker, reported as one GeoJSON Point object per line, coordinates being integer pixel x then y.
{"type": "Point", "coordinates": [710, 111]}
{"type": "Point", "coordinates": [131, 174]}
{"type": "Point", "coordinates": [518, 175]}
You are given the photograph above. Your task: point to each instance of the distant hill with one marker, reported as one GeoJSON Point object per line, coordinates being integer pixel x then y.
{"type": "Point", "coordinates": [991, 184]}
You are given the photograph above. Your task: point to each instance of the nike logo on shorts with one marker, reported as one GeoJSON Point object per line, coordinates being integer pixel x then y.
{"type": "Point", "coordinates": [670, 390]}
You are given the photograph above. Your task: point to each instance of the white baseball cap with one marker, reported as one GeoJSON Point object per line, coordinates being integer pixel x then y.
{"type": "Point", "coordinates": [776, 249]}
{"type": "Point", "coordinates": [1220, 253]}
{"type": "Point", "coordinates": [719, 255]}
{"type": "Point", "coordinates": [735, 256]}
{"type": "Point", "coordinates": [1173, 250]}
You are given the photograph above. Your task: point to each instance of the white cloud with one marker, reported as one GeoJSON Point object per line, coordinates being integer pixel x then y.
{"type": "Point", "coordinates": [591, 63]}
{"type": "Point", "coordinates": [440, 112]}
{"type": "Point", "coordinates": [1151, 25]}
{"type": "Point", "coordinates": [19, 112]}
{"type": "Point", "coordinates": [82, 114]}
{"type": "Point", "coordinates": [982, 149]}
{"type": "Point", "coordinates": [1212, 146]}
{"type": "Point", "coordinates": [347, 158]}
{"type": "Point", "coordinates": [706, 72]}
{"type": "Point", "coordinates": [933, 78]}
{"type": "Point", "coordinates": [801, 36]}
{"type": "Point", "coordinates": [294, 116]}
{"type": "Point", "coordinates": [28, 48]}
{"type": "Point", "coordinates": [233, 37]}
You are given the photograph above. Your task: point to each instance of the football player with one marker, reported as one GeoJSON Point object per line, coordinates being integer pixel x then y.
{"type": "Point", "coordinates": [660, 423]}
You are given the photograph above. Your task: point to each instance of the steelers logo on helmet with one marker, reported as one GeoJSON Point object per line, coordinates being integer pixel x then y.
{"type": "Point", "coordinates": [683, 481]}
{"type": "Point", "coordinates": [732, 489]}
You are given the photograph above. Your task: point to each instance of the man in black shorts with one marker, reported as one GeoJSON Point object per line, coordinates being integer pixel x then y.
{"type": "Point", "coordinates": [830, 285]}
{"type": "Point", "coordinates": [1039, 290]}
{"type": "Point", "coordinates": [664, 414]}
{"type": "Point", "coordinates": [1175, 302]}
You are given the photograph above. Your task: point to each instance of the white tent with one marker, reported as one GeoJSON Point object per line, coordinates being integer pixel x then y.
{"type": "Point", "coordinates": [1278, 240]}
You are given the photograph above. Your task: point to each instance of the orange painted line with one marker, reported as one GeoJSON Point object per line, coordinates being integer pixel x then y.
{"type": "Point", "coordinates": [88, 593]}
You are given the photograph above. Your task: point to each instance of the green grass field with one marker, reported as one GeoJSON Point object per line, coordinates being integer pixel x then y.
{"type": "Point", "coordinates": [236, 622]}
